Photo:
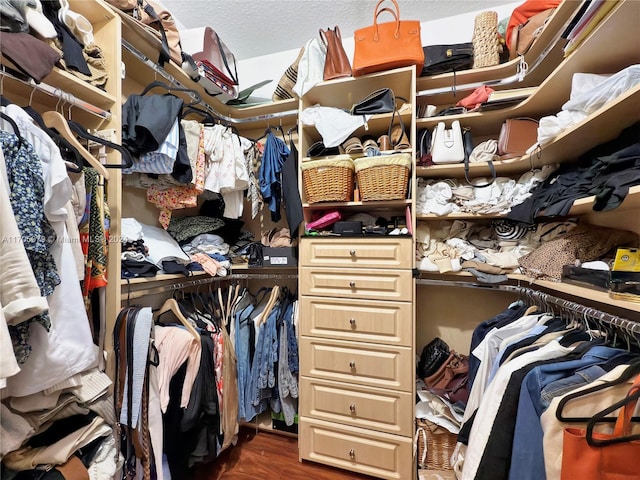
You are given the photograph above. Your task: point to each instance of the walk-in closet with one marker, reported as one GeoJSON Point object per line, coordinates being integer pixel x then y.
{"type": "Point", "coordinates": [229, 251]}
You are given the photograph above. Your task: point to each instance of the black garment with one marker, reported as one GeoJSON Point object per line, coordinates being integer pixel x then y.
{"type": "Point", "coordinates": [290, 191]}
{"type": "Point", "coordinates": [190, 435]}
{"type": "Point", "coordinates": [171, 266]}
{"type": "Point", "coordinates": [60, 429]}
{"type": "Point", "coordinates": [182, 167]}
{"type": "Point", "coordinates": [147, 120]}
{"type": "Point", "coordinates": [136, 269]}
{"type": "Point", "coordinates": [71, 48]}
{"type": "Point", "coordinates": [607, 171]}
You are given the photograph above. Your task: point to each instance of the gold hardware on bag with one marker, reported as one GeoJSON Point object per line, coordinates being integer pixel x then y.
{"type": "Point", "coordinates": [449, 52]}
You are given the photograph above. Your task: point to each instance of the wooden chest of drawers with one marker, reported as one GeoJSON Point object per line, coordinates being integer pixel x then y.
{"type": "Point", "coordinates": [356, 354]}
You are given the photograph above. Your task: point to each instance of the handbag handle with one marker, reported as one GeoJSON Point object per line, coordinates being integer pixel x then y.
{"type": "Point", "coordinates": [323, 34]}
{"type": "Point", "coordinates": [622, 429]}
{"type": "Point", "coordinates": [396, 15]}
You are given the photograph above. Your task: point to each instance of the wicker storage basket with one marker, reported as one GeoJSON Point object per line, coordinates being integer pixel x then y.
{"type": "Point", "coordinates": [328, 180]}
{"type": "Point", "coordinates": [384, 177]}
{"type": "Point", "coordinates": [435, 445]}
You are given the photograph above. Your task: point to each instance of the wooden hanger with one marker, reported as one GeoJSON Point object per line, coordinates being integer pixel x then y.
{"type": "Point", "coordinates": [57, 121]}
{"type": "Point", "coordinates": [171, 305]}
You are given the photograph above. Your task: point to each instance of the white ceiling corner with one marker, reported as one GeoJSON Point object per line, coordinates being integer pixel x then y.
{"type": "Point", "coordinates": [253, 28]}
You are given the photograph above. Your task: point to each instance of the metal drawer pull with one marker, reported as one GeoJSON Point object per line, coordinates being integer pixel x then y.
{"type": "Point", "coordinates": [352, 253]}
{"type": "Point", "coordinates": [352, 321]}
{"type": "Point", "coordinates": [352, 365]}
{"type": "Point", "coordinates": [352, 453]}
{"type": "Point", "coordinates": [352, 407]}
{"type": "Point", "coordinates": [352, 284]}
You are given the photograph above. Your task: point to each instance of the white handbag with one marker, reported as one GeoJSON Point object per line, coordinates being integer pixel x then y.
{"type": "Point", "coordinates": [447, 144]}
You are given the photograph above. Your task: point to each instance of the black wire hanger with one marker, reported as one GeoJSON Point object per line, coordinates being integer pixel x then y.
{"type": "Point", "coordinates": [14, 125]}
{"type": "Point", "coordinates": [195, 95]}
{"type": "Point", "coordinates": [126, 155]}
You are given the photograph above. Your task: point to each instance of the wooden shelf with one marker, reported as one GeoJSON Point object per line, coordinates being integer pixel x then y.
{"type": "Point", "coordinates": [345, 92]}
{"type": "Point", "coordinates": [574, 292]}
{"type": "Point", "coordinates": [163, 277]}
{"type": "Point", "coordinates": [535, 76]}
{"type": "Point", "coordinates": [79, 88]}
{"type": "Point", "coordinates": [149, 45]}
{"type": "Point", "coordinates": [376, 126]}
{"type": "Point", "coordinates": [601, 126]}
{"type": "Point", "coordinates": [457, 216]}
{"type": "Point", "coordinates": [373, 204]}
{"type": "Point", "coordinates": [584, 206]}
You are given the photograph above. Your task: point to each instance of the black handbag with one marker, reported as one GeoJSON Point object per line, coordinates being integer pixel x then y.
{"type": "Point", "coordinates": [447, 58]}
{"type": "Point", "coordinates": [380, 101]}
{"type": "Point", "coordinates": [433, 356]}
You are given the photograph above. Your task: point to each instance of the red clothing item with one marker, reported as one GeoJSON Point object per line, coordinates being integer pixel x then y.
{"type": "Point", "coordinates": [525, 11]}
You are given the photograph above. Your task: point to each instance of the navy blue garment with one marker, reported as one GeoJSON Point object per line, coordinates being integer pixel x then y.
{"type": "Point", "coordinates": [500, 320]}
{"type": "Point", "coordinates": [270, 173]}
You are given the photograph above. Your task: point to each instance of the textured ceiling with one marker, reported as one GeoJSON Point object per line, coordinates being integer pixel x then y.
{"type": "Point", "coordinates": [253, 28]}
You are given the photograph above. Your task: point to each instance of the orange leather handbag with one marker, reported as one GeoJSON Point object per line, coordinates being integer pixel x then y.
{"type": "Point", "coordinates": [384, 46]}
{"type": "Point", "coordinates": [589, 455]}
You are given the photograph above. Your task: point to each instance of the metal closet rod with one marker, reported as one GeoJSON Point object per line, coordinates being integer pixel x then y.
{"type": "Point", "coordinates": [58, 93]}
{"type": "Point", "coordinates": [567, 305]}
{"type": "Point", "coordinates": [143, 292]}
{"type": "Point", "coordinates": [224, 118]}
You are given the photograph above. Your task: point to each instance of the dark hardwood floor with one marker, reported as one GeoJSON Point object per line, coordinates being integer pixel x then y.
{"type": "Point", "coordinates": [268, 456]}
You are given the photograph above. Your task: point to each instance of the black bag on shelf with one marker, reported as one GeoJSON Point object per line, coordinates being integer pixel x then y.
{"type": "Point", "coordinates": [433, 356]}
{"type": "Point", "coordinates": [447, 58]}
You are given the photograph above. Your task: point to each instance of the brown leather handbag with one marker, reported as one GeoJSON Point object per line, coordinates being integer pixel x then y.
{"type": "Point", "coordinates": [523, 35]}
{"type": "Point", "coordinates": [516, 136]}
{"type": "Point", "coordinates": [451, 380]}
{"type": "Point", "coordinates": [336, 64]}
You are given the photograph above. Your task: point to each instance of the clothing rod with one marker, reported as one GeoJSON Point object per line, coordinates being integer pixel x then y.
{"type": "Point", "coordinates": [171, 79]}
{"type": "Point", "coordinates": [59, 93]}
{"type": "Point", "coordinates": [143, 292]}
{"type": "Point", "coordinates": [567, 305]}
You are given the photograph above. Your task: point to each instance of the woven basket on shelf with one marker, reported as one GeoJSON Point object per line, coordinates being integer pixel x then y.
{"type": "Point", "coordinates": [384, 177]}
{"type": "Point", "coordinates": [486, 41]}
{"type": "Point", "coordinates": [435, 445]}
{"type": "Point", "coordinates": [328, 180]}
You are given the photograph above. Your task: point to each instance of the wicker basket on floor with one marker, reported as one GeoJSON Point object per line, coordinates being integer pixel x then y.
{"type": "Point", "coordinates": [384, 177]}
{"type": "Point", "coordinates": [328, 180]}
{"type": "Point", "coordinates": [435, 445]}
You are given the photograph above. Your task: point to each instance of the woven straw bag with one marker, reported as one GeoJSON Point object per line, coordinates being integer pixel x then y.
{"type": "Point", "coordinates": [486, 40]}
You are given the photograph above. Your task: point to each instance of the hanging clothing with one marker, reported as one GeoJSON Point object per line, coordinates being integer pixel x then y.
{"type": "Point", "coordinates": [94, 233]}
{"type": "Point", "coordinates": [270, 173]}
{"type": "Point", "coordinates": [183, 196]}
{"type": "Point", "coordinates": [252, 155]}
{"type": "Point", "coordinates": [19, 292]}
{"type": "Point", "coordinates": [291, 192]}
{"type": "Point", "coordinates": [26, 184]}
{"type": "Point", "coordinates": [227, 174]}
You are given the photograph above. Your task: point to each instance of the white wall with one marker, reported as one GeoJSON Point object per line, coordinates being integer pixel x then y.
{"type": "Point", "coordinates": [456, 29]}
